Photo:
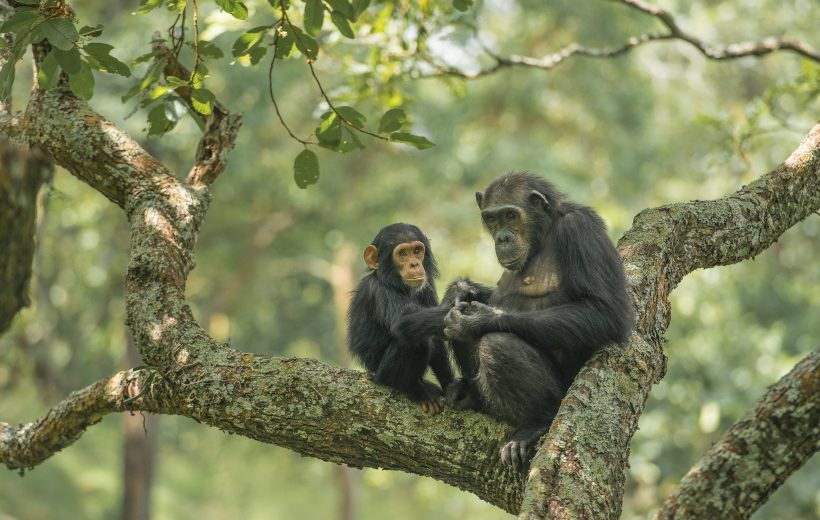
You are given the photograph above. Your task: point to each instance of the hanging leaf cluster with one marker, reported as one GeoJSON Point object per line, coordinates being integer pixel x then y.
{"type": "Point", "coordinates": [286, 30]}
{"type": "Point", "coordinates": [71, 51]}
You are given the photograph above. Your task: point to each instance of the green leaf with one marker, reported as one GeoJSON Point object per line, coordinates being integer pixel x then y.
{"type": "Point", "coordinates": [416, 141]}
{"type": "Point", "coordinates": [106, 62]}
{"type": "Point", "coordinates": [147, 6]}
{"type": "Point", "coordinates": [22, 20]}
{"type": "Point", "coordinates": [139, 60]}
{"type": "Point", "coordinates": [462, 5]}
{"type": "Point", "coordinates": [158, 124]}
{"type": "Point", "coordinates": [256, 54]}
{"type": "Point", "coordinates": [154, 73]}
{"type": "Point", "coordinates": [392, 120]}
{"type": "Point", "coordinates": [69, 60]}
{"type": "Point", "coordinates": [349, 142]}
{"type": "Point", "coordinates": [210, 50]}
{"type": "Point", "coordinates": [6, 79]}
{"type": "Point", "coordinates": [199, 76]}
{"type": "Point", "coordinates": [60, 32]}
{"type": "Point", "coordinates": [202, 101]}
{"type": "Point", "coordinates": [92, 32]}
{"type": "Point", "coordinates": [306, 169]}
{"type": "Point", "coordinates": [29, 2]}
{"type": "Point", "coordinates": [343, 7]}
{"type": "Point", "coordinates": [233, 7]}
{"type": "Point", "coordinates": [329, 131]}
{"type": "Point", "coordinates": [82, 82]}
{"type": "Point", "coordinates": [158, 91]}
{"type": "Point", "coordinates": [114, 66]}
{"type": "Point", "coordinates": [177, 5]}
{"type": "Point", "coordinates": [49, 71]}
{"type": "Point", "coordinates": [351, 115]}
{"type": "Point", "coordinates": [342, 24]}
{"type": "Point", "coordinates": [174, 82]}
{"type": "Point", "coordinates": [249, 40]}
{"type": "Point", "coordinates": [314, 16]}
{"type": "Point", "coordinates": [133, 91]}
{"type": "Point", "coordinates": [305, 43]}
{"type": "Point", "coordinates": [277, 4]}
{"type": "Point", "coordinates": [359, 7]}
{"type": "Point", "coordinates": [98, 49]}
{"type": "Point", "coordinates": [284, 44]}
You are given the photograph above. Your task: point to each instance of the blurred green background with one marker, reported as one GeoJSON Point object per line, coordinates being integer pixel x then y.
{"type": "Point", "coordinates": [275, 263]}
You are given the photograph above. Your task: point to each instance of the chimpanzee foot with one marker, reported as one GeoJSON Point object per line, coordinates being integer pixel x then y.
{"type": "Point", "coordinates": [432, 401]}
{"type": "Point", "coordinates": [434, 406]}
{"type": "Point", "coordinates": [520, 446]}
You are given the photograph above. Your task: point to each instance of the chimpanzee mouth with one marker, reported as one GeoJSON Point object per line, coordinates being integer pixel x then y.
{"type": "Point", "coordinates": [415, 282]}
{"type": "Point", "coordinates": [513, 264]}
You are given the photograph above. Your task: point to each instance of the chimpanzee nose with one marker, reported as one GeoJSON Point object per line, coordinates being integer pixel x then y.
{"type": "Point", "coordinates": [503, 238]}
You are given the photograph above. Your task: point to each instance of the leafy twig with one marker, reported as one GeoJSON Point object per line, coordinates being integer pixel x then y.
{"type": "Point", "coordinates": [273, 97]}
{"type": "Point", "coordinates": [318, 82]}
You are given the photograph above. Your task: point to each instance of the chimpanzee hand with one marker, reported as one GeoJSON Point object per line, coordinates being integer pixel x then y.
{"type": "Point", "coordinates": [468, 320]}
{"type": "Point", "coordinates": [462, 290]}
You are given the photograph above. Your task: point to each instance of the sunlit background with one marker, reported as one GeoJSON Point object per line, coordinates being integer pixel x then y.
{"type": "Point", "coordinates": [275, 263]}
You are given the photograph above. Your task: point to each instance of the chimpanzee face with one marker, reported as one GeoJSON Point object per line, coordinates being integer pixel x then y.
{"type": "Point", "coordinates": [507, 225]}
{"type": "Point", "coordinates": [408, 258]}
{"type": "Point", "coordinates": [401, 256]}
{"type": "Point", "coordinates": [506, 222]}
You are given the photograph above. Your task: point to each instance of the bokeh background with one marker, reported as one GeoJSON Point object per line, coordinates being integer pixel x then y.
{"type": "Point", "coordinates": [276, 263]}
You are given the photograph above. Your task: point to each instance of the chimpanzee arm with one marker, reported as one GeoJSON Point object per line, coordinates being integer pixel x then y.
{"type": "Point", "coordinates": [440, 363]}
{"type": "Point", "coordinates": [420, 322]}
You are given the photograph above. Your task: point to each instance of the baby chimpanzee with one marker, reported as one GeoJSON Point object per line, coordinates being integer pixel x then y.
{"type": "Point", "coordinates": [401, 281]}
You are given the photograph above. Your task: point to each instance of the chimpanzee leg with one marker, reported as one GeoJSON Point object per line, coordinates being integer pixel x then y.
{"type": "Point", "coordinates": [440, 362]}
{"type": "Point", "coordinates": [402, 367]}
{"type": "Point", "coordinates": [462, 393]}
{"type": "Point", "coordinates": [519, 386]}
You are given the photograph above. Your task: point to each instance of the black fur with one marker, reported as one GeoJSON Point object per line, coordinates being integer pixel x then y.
{"type": "Point", "coordinates": [381, 300]}
{"type": "Point", "coordinates": [520, 345]}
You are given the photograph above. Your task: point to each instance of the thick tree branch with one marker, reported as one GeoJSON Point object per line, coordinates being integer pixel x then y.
{"type": "Point", "coordinates": [568, 476]}
{"type": "Point", "coordinates": [674, 32]}
{"type": "Point", "coordinates": [758, 453]}
{"type": "Point", "coordinates": [667, 243]}
{"type": "Point", "coordinates": [25, 445]}
{"type": "Point", "coordinates": [88, 146]}
{"type": "Point", "coordinates": [22, 174]}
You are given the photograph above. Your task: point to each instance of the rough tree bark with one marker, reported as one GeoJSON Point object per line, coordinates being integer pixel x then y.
{"type": "Point", "coordinates": [337, 415]}
{"type": "Point", "coordinates": [22, 174]}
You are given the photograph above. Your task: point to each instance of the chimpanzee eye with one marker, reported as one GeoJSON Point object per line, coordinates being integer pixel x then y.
{"type": "Point", "coordinates": [403, 252]}
{"type": "Point", "coordinates": [417, 251]}
{"type": "Point", "coordinates": [491, 219]}
{"type": "Point", "coordinates": [510, 215]}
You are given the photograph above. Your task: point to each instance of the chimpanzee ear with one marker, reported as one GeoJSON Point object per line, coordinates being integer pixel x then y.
{"type": "Point", "coordinates": [479, 198]}
{"type": "Point", "coordinates": [371, 255]}
{"type": "Point", "coordinates": [538, 200]}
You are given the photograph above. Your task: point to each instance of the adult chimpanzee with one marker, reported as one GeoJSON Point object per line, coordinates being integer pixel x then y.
{"type": "Point", "coordinates": [401, 282]}
{"type": "Point", "coordinates": [561, 298]}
